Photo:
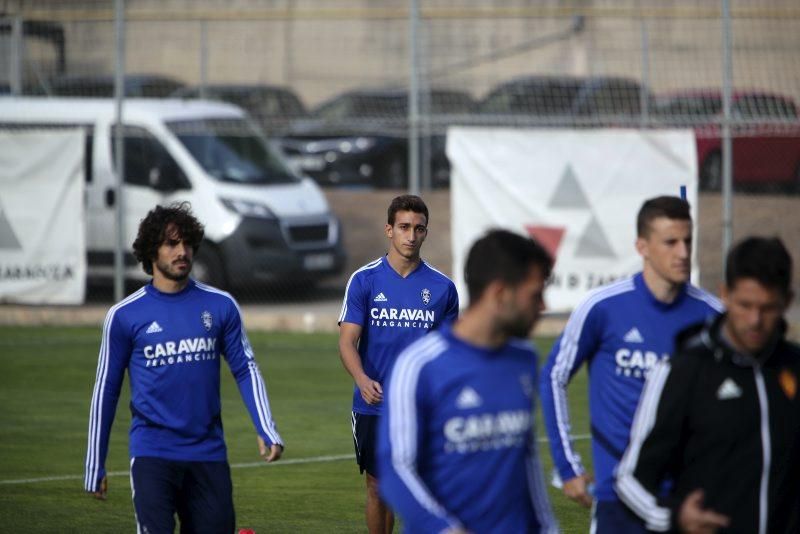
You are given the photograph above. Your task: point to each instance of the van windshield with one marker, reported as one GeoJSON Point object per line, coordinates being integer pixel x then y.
{"type": "Point", "coordinates": [231, 150]}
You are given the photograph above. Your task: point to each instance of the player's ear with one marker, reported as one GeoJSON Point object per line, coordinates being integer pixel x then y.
{"type": "Point", "coordinates": [641, 246]}
{"type": "Point", "coordinates": [387, 229]}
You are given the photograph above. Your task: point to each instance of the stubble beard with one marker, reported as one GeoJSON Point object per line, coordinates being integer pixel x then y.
{"type": "Point", "coordinates": [167, 272]}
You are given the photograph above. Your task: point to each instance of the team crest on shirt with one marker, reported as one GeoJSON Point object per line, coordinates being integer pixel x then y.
{"type": "Point", "coordinates": [207, 319]}
{"type": "Point", "coordinates": [426, 296]}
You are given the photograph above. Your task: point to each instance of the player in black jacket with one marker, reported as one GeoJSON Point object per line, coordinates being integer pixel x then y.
{"type": "Point", "coordinates": [722, 419]}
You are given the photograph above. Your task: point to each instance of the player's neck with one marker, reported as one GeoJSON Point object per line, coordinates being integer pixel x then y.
{"type": "Point", "coordinates": [663, 290]}
{"type": "Point", "coordinates": [167, 285]}
{"type": "Point", "coordinates": [477, 329]}
{"type": "Point", "coordinates": [402, 265]}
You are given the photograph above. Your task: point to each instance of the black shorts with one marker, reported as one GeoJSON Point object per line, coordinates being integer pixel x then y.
{"type": "Point", "coordinates": [365, 439]}
{"type": "Point", "coordinates": [201, 493]}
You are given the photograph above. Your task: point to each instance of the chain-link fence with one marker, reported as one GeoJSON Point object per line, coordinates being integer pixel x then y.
{"type": "Point", "coordinates": [342, 85]}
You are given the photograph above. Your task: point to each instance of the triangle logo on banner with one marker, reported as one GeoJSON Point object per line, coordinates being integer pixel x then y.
{"type": "Point", "coordinates": [569, 193]}
{"type": "Point", "coordinates": [8, 239]}
{"type": "Point", "coordinates": [547, 236]}
{"type": "Point", "coordinates": [594, 243]}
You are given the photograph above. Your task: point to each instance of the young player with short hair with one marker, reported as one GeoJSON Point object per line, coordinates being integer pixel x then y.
{"type": "Point", "coordinates": [721, 419]}
{"type": "Point", "coordinates": [457, 449]}
{"type": "Point", "coordinates": [388, 304]}
{"type": "Point", "coordinates": [621, 331]}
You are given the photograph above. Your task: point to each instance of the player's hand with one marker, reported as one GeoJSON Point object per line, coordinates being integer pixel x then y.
{"type": "Point", "coordinates": [102, 493]}
{"type": "Point", "coordinates": [371, 391]}
{"type": "Point", "coordinates": [271, 453]}
{"type": "Point", "coordinates": [694, 518]}
{"type": "Point", "coordinates": [577, 489]}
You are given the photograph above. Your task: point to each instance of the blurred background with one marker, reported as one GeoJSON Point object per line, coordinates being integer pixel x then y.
{"type": "Point", "coordinates": [358, 95]}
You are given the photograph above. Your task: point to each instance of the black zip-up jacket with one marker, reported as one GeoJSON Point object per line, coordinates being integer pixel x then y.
{"type": "Point", "coordinates": [728, 424]}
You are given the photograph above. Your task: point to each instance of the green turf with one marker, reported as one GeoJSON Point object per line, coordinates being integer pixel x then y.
{"type": "Point", "coordinates": [46, 378]}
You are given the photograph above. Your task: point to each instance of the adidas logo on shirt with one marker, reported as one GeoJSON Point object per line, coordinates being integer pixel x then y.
{"type": "Point", "coordinates": [729, 390]}
{"type": "Point", "coordinates": [468, 398]}
{"type": "Point", "coordinates": [380, 298]}
{"type": "Point", "coordinates": [154, 327]}
{"type": "Point", "coordinates": [633, 336]}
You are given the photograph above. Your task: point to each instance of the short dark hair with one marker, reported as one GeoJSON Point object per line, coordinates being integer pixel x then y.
{"type": "Point", "coordinates": [764, 259]}
{"type": "Point", "coordinates": [505, 256]}
{"type": "Point", "coordinates": [152, 231]}
{"type": "Point", "coordinates": [407, 203]}
{"type": "Point", "coordinates": [664, 206]}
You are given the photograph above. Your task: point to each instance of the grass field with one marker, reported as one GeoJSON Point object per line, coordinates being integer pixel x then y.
{"type": "Point", "coordinates": [46, 378]}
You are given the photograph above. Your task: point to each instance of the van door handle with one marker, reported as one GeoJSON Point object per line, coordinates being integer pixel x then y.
{"type": "Point", "coordinates": [110, 198]}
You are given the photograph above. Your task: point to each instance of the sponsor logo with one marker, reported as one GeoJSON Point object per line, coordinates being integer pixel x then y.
{"type": "Point", "coordinates": [402, 318]}
{"type": "Point", "coordinates": [154, 328]}
{"type": "Point", "coordinates": [788, 382]}
{"type": "Point", "coordinates": [468, 398]}
{"type": "Point", "coordinates": [636, 363]}
{"type": "Point", "coordinates": [633, 336]}
{"type": "Point", "coordinates": [184, 351]}
{"type": "Point", "coordinates": [487, 431]}
{"type": "Point", "coordinates": [380, 298]}
{"type": "Point", "coordinates": [729, 390]}
{"type": "Point", "coordinates": [207, 320]}
{"type": "Point", "coordinates": [426, 296]}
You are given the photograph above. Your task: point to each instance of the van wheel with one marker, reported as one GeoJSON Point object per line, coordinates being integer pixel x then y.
{"type": "Point", "coordinates": [711, 173]}
{"type": "Point", "coordinates": [207, 267]}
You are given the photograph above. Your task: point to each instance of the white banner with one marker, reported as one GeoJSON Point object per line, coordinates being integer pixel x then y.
{"type": "Point", "coordinates": [42, 226]}
{"type": "Point", "coordinates": [576, 191]}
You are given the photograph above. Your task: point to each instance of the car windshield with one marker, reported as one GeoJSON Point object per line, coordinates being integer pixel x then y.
{"type": "Point", "coordinates": [536, 98]}
{"type": "Point", "coordinates": [231, 150]}
{"type": "Point", "coordinates": [694, 106]}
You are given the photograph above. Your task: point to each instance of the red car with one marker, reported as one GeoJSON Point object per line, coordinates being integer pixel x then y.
{"type": "Point", "coordinates": [766, 136]}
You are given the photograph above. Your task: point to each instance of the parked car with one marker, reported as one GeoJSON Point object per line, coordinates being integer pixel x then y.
{"type": "Point", "coordinates": [102, 86]}
{"type": "Point", "coordinates": [566, 101]}
{"type": "Point", "coordinates": [361, 137]}
{"type": "Point", "coordinates": [766, 136]}
{"type": "Point", "coordinates": [273, 107]}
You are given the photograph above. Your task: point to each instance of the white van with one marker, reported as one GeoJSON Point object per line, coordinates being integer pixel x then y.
{"type": "Point", "coordinates": [262, 221]}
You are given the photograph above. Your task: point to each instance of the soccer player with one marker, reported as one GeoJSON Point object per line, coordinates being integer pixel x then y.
{"type": "Point", "coordinates": [457, 449]}
{"type": "Point", "coordinates": [388, 303]}
{"type": "Point", "coordinates": [621, 330]}
{"type": "Point", "coordinates": [722, 418]}
{"type": "Point", "coordinates": [170, 336]}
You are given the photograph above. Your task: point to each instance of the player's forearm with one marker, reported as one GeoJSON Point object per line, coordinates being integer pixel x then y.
{"type": "Point", "coordinates": [553, 399]}
{"type": "Point", "coordinates": [351, 361]}
{"type": "Point", "coordinates": [253, 390]}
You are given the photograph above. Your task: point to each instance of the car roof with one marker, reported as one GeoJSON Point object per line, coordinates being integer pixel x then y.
{"type": "Point", "coordinates": [79, 110]}
{"type": "Point", "coordinates": [715, 93]}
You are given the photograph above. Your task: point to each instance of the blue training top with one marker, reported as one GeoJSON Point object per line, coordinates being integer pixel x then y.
{"type": "Point", "coordinates": [393, 312]}
{"type": "Point", "coordinates": [456, 447]}
{"type": "Point", "coordinates": [621, 330]}
{"type": "Point", "coordinates": [171, 344]}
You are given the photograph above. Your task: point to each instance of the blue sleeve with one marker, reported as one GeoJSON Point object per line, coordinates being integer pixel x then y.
{"type": "Point", "coordinates": [239, 354]}
{"type": "Point", "coordinates": [353, 309]}
{"type": "Point", "coordinates": [399, 439]}
{"type": "Point", "coordinates": [538, 490]}
{"type": "Point", "coordinates": [451, 313]}
{"type": "Point", "coordinates": [115, 353]}
{"type": "Point", "coordinates": [578, 342]}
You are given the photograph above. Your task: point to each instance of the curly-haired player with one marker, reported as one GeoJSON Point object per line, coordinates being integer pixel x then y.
{"type": "Point", "coordinates": [170, 336]}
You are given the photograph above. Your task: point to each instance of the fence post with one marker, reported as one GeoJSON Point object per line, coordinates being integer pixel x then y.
{"type": "Point", "coordinates": [413, 101]}
{"type": "Point", "coordinates": [727, 145]}
{"type": "Point", "coordinates": [119, 96]}
{"type": "Point", "coordinates": [17, 52]}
